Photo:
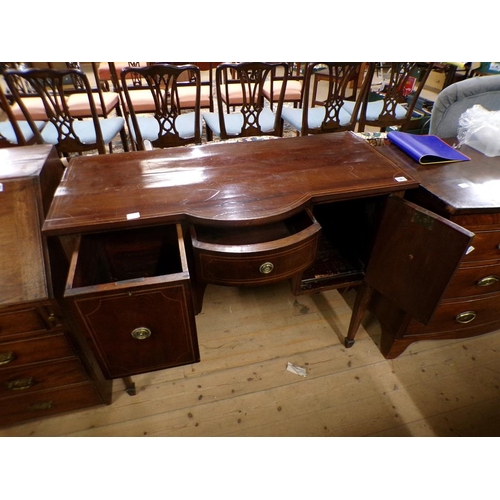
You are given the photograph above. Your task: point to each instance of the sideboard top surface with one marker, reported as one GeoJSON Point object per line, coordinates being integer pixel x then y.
{"type": "Point", "coordinates": [221, 183]}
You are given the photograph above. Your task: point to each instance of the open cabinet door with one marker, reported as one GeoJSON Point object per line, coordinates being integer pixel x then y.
{"type": "Point", "coordinates": [415, 254]}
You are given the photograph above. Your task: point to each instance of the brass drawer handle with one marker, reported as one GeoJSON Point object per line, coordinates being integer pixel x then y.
{"type": "Point", "coordinates": [266, 268]}
{"type": "Point", "coordinates": [20, 384]}
{"type": "Point", "coordinates": [488, 280]}
{"type": "Point", "coordinates": [141, 333]}
{"type": "Point", "coordinates": [465, 317]}
{"type": "Point", "coordinates": [6, 357]}
{"type": "Point", "coordinates": [46, 405]}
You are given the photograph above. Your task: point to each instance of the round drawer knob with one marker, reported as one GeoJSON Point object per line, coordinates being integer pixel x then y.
{"type": "Point", "coordinates": [465, 317]}
{"type": "Point", "coordinates": [488, 280]}
{"type": "Point", "coordinates": [141, 333]}
{"type": "Point", "coordinates": [266, 268]}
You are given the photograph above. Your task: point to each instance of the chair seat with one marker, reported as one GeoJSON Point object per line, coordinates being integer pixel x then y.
{"type": "Point", "coordinates": [374, 109]}
{"type": "Point", "coordinates": [85, 130]}
{"type": "Point", "coordinates": [187, 95]}
{"type": "Point", "coordinates": [293, 91]}
{"type": "Point", "coordinates": [7, 131]}
{"type": "Point", "coordinates": [142, 101]}
{"type": "Point", "coordinates": [150, 128]}
{"type": "Point", "coordinates": [293, 116]}
{"type": "Point", "coordinates": [78, 106]}
{"type": "Point", "coordinates": [35, 108]}
{"type": "Point", "coordinates": [234, 95]}
{"type": "Point", "coordinates": [234, 122]}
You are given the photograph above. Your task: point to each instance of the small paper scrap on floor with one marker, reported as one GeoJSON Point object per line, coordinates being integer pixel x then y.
{"type": "Point", "coordinates": [298, 370]}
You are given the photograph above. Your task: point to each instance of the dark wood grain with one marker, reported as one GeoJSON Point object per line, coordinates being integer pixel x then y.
{"type": "Point", "coordinates": [237, 184]}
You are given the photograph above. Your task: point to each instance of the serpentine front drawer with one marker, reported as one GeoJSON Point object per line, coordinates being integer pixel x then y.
{"type": "Point", "coordinates": [130, 293]}
{"type": "Point", "coordinates": [256, 255]}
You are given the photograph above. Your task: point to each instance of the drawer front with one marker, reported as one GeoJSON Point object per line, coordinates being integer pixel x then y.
{"type": "Point", "coordinates": [45, 403]}
{"type": "Point", "coordinates": [470, 281]}
{"type": "Point", "coordinates": [486, 246]}
{"type": "Point", "coordinates": [13, 354]}
{"type": "Point", "coordinates": [238, 268]}
{"type": "Point", "coordinates": [139, 330]}
{"type": "Point", "coordinates": [26, 320]}
{"type": "Point", "coordinates": [459, 315]}
{"type": "Point", "coordinates": [41, 376]}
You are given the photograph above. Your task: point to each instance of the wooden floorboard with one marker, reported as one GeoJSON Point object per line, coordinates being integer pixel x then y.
{"type": "Point", "coordinates": [242, 386]}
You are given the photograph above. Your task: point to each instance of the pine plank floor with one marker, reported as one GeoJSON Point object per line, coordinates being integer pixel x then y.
{"type": "Point", "coordinates": [242, 386]}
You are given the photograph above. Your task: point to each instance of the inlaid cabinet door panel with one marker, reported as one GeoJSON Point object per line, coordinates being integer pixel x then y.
{"type": "Point", "coordinates": [139, 329]}
{"type": "Point", "coordinates": [416, 253]}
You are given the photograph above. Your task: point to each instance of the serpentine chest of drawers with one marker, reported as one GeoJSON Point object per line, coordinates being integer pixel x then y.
{"type": "Point", "coordinates": [43, 368]}
{"type": "Point", "coordinates": [467, 194]}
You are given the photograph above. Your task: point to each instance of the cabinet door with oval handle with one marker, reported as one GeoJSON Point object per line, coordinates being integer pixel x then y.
{"type": "Point", "coordinates": [139, 328]}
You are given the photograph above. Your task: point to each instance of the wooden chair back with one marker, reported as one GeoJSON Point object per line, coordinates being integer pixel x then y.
{"type": "Point", "coordinates": [162, 83]}
{"type": "Point", "coordinates": [5, 107]}
{"type": "Point", "coordinates": [341, 79]}
{"type": "Point", "coordinates": [51, 85]}
{"type": "Point", "coordinates": [402, 83]}
{"type": "Point", "coordinates": [249, 78]}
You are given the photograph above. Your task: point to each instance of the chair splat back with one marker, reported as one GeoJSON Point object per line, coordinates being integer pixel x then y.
{"type": "Point", "coordinates": [331, 107]}
{"type": "Point", "coordinates": [167, 127]}
{"type": "Point", "coordinates": [67, 132]}
{"type": "Point", "coordinates": [389, 111]}
{"type": "Point", "coordinates": [252, 118]}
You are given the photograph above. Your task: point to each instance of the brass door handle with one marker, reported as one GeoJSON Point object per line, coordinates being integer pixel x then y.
{"type": "Point", "coordinates": [6, 357]}
{"type": "Point", "coordinates": [20, 384]}
{"type": "Point", "coordinates": [465, 317]}
{"type": "Point", "coordinates": [266, 268]}
{"type": "Point", "coordinates": [488, 280]}
{"type": "Point", "coordinates": [141, 333]}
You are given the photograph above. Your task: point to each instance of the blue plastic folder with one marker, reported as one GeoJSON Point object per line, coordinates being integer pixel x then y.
{"type": "Point", "coordinates": [426, 149]}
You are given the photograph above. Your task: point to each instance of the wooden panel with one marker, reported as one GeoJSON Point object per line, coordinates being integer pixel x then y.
{"type": "Point", "coordinates": [250, 183]}
{"type": "Point", "coordinates": [33, 351]}
{"type": "Point", "coordinates": [23, 319]}
{"type": "Point", "coordinates": [50, 402]}
{"type": "Point", "coordinates": [22, 272]}
{"type": "Point", "coordinates": [486, 246]}
{"type": "Point", "coordinates": [414, 257]}
{"type": "Point", "coordinates": [257, 255]}
{"type": "Point", "coordinates": [38, 377]}
{"type": "Point", "coordinates": [109, 320]}
{"type": "Point", "coordinates": [483, 310]}
{"type": "Point", "coordinates": [478, 280]}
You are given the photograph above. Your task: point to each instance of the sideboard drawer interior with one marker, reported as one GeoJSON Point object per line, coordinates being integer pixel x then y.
{"type": "Point", "coordinates": [127, 255]}
{"type": "Point", "coordinates": [256, 254]}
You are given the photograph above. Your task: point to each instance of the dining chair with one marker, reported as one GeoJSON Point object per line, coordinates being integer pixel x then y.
{"type": "Point", "coordinates": [294, 86]}
{"type": "Point", "coordinates": [107, 102]}
{"type": "Point", "coordinates": [253, 117]}
{"type": "Point", "coordinates": [69, 133]}
{"type": "Point", "coordinates": [393, 106]}
{"type": "Point", "coordinates": [164, 125]}
{"type": "Point", "coordinates": [458, 97]}
{"type": "Point", "coordinates": [14, 132]}
{"type": "Point", "coordinates": [327, 114]}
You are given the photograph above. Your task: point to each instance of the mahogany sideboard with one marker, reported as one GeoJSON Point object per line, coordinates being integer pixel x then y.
{"type": "Point", "coordinates": [152, 228]}
{"type": "Point", "coordinates": [44, 368]}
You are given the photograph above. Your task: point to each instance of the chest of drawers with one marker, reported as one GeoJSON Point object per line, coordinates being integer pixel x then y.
{"type": "Point", "coordinates": [43, 368]}
{"type": "Point", "coordinates": [468, 195]}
